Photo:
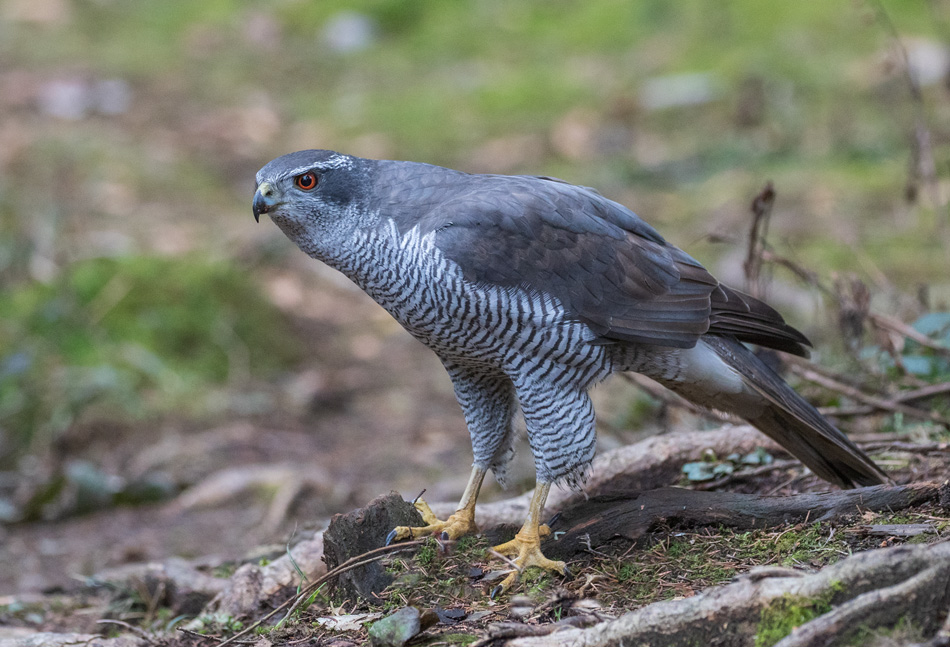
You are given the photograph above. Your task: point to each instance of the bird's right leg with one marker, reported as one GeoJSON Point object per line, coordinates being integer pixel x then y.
{"type": "Point", "coordinates": [487, 400]}
{"type": "Point", "coordinates": [459, 524]}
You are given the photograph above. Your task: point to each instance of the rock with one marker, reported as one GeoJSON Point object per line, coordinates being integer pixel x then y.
{"type": "Point", "coordinates": [396, 629]}
{"type": "Point", "coordinates": [174, 583]}
{"type": "Point", "coordinates": [357, 532]}
{"type": "Point", "coordinates": [251, 585]}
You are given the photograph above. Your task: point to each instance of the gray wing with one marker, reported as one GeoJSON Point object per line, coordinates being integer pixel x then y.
{"type": "Point", "coordinates": [606, 266]}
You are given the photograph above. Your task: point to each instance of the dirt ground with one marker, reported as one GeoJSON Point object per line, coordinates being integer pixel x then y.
{"type": "Point", "coordinates": [373, 412]}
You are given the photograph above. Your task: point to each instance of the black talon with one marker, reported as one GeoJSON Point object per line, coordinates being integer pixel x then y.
{"type": "Point", "coordinates": [495, 592]}
{"type": "Point", "coordinates": [444, 536]}
{"type": "Point", "coordinates": [390, 537]}
{"type": "Point", "coordinates": [554, 519]}
{"type": "Point", "coordinates": [567, 572]}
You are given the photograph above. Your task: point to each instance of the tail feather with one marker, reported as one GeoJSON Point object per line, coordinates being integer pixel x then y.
{"type": "Point", "coordinates": [795, 424]}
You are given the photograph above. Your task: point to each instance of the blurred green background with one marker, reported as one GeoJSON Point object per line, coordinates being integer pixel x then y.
{"type": "Point", "coordinates": [135, 286]}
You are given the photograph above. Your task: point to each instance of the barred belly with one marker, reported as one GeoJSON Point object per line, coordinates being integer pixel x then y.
{"type": "Point", "coordinates": [491, 330]}
{"type": "Point", "coordinates": [504, 328]}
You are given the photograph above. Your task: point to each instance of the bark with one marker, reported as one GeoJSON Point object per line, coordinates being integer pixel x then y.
{"type": "Point", "coordinates": [654, 462]}
{"type": "Point", "coordinates": [594, 522]}
{"type": "Point", "coordinates": [865, 591]}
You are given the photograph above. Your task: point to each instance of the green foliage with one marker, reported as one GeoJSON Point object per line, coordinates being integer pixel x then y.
{"type": "Point", "coordinates": [129, 336]}
{"type": "Point", "coordinates": [916, 359]}
{"type": "Point", "coordinates": [711, 467]}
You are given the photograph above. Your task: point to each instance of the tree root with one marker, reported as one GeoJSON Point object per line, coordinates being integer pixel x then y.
{"type": "Point", "coordinates": [863, 592]}
{"type": "Point", "coordinates": [646, 465]}
{"type": "Point", "coordinates": [594, 522]}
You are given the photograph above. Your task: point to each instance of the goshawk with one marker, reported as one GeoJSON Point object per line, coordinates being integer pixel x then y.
{"type": "Point", "coordinates": [532, 290]}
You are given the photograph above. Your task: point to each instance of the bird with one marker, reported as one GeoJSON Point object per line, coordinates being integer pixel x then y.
{"type": "Point", "coordinates": [531, 290]}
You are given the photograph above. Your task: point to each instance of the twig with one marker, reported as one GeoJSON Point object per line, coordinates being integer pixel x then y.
{"type": "Point", "coordinates": [895, 325]}
{"type": "Point", "coordinates": [744, 475]}
{"type": "Point", "coordinates": [354, 562]}
{"type": "Point", "coordinates": [877, 402]}
{"type": "Point", "coordinates": [922, 393]}
{"type": "Point", "coordinates": [136, 630]}
{"type": "Point", "coordinates": [761, 210]}
{"type": "Point", "coordinates": [883, 322]}
{"type": "Point", "coordinates": [913, 448]}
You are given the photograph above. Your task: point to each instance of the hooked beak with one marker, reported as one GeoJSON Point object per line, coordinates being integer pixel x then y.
{"type": "Point", "coordinates": [266, 199]}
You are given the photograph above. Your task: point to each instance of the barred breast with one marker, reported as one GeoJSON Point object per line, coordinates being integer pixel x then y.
{"type": "Point", "coordinates": [505, 328]}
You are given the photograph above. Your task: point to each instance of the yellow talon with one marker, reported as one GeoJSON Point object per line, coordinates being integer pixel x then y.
{"type": "Point", "coordinates": [525, 548]}
{"type": "Point", "coordinates": [427, 515]}
{"type": "Point", "coordinates": [459, 524]}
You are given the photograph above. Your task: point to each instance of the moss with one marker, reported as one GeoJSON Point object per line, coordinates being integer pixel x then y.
{"type": "Point", "coordinates": [427, 553]}
{"type": "Point", "coordinates": [784, 614]}
{"type": "Point", "coordinates": [454, 639]}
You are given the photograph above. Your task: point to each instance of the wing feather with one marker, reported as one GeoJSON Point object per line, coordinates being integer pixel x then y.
{"type": "Point", "coordinates": [606, 266]}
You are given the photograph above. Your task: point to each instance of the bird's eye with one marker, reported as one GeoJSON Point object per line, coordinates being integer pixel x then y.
{"type": "Point", "coordinates": [306, 181]}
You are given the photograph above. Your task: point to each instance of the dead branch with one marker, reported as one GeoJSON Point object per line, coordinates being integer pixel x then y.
{"type": "Point", "coordinates": [923, 393]}
{"type": "Point", "coordinates": [594, 522]}
{"type": "Point", "coordinates": [882, 322]}
{"type": "Point", "coordinates": [912, 578]}
{"type": "Point", "coordinates": [761, 208]}
{"type": "Point", "coordinates": [805, 372]}
{"type": "Point", "coordinates": [885, 322]}
{"type": "Point", "coordinates": [745, 474]}
{"type": "Point", "coordinates": [645, 465]}
{"type": "Point", "coordinates": [912, 448]}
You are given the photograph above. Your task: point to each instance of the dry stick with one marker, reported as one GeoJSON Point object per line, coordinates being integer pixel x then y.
{"type": "Point", "coordinates": [761, 210]}
{"type": "Point", "coordinates": [359, 560]}
{"type": "Point", "coordinates": [922, 393]}
{"type": "Point", "coordinates": [882, 322]}
{"type": "Point", "coordinates": [912, 448]}
{"type": "Point", "coordinates": [873, 400]}
{"type": "Point", "coordinates": [137, 630]}
{"type": "Point", "coordinates": [898, 326]}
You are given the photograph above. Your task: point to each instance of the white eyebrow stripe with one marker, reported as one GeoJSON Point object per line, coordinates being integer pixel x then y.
{"type": "Point", "coordinates": [297, 171]}
{"type": "Point", "coordinates": [333, 162]}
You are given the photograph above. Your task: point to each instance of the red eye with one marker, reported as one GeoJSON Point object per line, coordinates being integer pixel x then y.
{"type": "Point", "coordinates": [306, 181]}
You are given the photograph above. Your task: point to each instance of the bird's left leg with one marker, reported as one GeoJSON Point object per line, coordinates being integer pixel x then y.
{"type": "Point", "coordinates": [487, 400]}
{"type": "Point", "coordinates": [560, 422]}
{"type": "Point", "coordinates": [525, 548]}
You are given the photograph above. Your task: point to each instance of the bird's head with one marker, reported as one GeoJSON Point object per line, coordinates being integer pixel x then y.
{"type": "Point", "coordinates": [314, 196]}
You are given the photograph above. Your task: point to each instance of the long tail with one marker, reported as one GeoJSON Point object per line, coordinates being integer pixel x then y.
{"type": "Point", "coordinates": [771, 405]}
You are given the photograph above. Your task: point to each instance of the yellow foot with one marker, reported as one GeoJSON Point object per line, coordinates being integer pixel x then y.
{"type": "Point", "coordinates": [459, 524]}
{"type": "Point", "coordinates": [525, 548]}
